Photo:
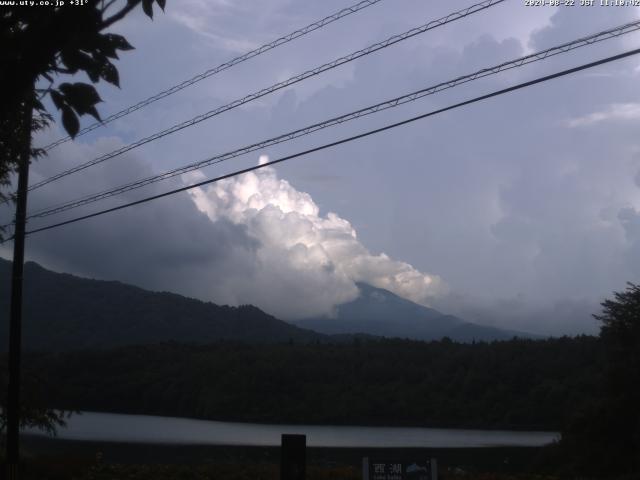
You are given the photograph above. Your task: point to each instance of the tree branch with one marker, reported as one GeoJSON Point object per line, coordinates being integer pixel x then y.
{"type": "Point", "coordinates": [119, 16]}
{"type": "Point", "coordinates": [107, 6]}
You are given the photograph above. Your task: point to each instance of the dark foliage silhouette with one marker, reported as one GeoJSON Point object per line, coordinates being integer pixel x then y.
{"type": "Point", "coordinates": [38, 44]}
{"type": "Point", "coordinates": [604, 437]}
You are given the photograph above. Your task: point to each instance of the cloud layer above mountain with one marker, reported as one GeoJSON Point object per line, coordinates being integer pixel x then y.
{"type": "Point", "coordinates": [252, 239]}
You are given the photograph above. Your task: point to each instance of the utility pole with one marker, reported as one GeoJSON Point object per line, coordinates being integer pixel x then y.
{"type": "Point", "coordinates": [15, 328]}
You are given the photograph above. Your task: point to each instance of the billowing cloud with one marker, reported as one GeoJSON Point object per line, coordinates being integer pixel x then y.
{"type": "Point", "coordinates": [307, 263]}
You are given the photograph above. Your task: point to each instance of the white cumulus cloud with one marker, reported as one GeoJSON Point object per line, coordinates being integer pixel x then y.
{"type": "Point", "coordinates": [307, 263]}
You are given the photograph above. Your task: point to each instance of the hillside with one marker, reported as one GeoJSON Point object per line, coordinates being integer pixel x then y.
{"type": "Point", "coordinates": [379, 312]}
{"type": "Point", "coordinates": [63, 312]}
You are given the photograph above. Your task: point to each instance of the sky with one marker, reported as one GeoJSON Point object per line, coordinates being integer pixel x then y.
{"type": "Point", "coordinates": [522, 211]}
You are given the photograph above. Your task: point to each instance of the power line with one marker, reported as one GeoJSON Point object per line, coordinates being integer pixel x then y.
{"type": "Point", "coordinates": [224, 66]}
{"type": "Point", "coordinates": [525, 60]}
{"type": "Point", "coordinates": [346, 140]}
{"type": "Point", "coordinates": [278, 86]}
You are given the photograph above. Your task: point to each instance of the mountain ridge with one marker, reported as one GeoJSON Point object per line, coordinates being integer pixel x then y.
{"type": "Point", "coordinates": [379, 312]}
{"type": "Point", "coordinates": [64, 312]}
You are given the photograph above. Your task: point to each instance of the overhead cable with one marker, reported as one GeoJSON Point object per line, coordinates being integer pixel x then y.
{"type": "Point", "coordinates": [278, 86]}
{"type": "Point", "coordinates": [344, 140]}
{"type": "Point", "coordinates": [387, 104]}
{"type": "Point", "coordinates": [224, 66]}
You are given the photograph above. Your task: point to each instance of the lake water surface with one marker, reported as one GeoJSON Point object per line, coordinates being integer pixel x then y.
{"type": "Point", "coordinates": [171, 430]}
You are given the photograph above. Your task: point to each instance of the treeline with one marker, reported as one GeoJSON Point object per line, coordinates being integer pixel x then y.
{"type": "Point", "coordinates": [523, 384]}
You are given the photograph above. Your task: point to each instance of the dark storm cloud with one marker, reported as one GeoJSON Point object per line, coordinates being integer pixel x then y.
{"type": "Point", "coordinates": [163, 245]}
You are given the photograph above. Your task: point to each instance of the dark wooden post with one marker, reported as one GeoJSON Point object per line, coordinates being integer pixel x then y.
{"type": "Point", "coordinates": [293, 457]}
{"type": "Point", "coordinates": [15, 325]}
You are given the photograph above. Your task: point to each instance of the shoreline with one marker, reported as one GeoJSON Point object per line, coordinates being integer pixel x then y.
{"type": "Point", "coordinates": [494, 459]}
{"type": "Point", "coordinates": [146, 429]}
{"type": "Point", "coordinates": [292, 423]}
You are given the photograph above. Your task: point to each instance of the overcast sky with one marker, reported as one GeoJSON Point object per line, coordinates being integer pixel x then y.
{"type": "Point", "coordinates": [522, 211]}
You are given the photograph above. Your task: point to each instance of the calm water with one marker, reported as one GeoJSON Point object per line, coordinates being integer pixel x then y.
{"type": "Point", "coordinates": [170, 430]}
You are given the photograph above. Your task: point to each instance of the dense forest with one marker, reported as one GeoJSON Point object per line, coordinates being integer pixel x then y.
{"type": "Point", "coordinates": [514, 384]}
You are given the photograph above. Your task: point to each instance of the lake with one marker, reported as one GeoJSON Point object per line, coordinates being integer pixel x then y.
{"type": "Point", "coordinates": [170, 430]}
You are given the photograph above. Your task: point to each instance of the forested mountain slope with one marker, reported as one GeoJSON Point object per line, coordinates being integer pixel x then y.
{"type": "Point", "coordinates": [63, 312]}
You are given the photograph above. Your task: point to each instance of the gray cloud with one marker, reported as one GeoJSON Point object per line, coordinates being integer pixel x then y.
{"type": "Point", "coordinates": [561, 317]}
{"type": "Point", "coordinates": [164, 245]}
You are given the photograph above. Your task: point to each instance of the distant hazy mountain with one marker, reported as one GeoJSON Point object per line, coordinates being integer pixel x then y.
{"type": "Point", "coordinates": [63, 312]}
{"type": "Point", "coordinates": [380, 312]}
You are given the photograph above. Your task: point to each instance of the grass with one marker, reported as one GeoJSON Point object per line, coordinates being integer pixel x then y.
{"type": "Point", "coordinates": [69, 471]}
{"type": "Point", "coordinates": [55, 459]}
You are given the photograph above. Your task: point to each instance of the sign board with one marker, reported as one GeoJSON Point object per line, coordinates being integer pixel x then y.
{"type": "Point", "coordinates": [385, 469]}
